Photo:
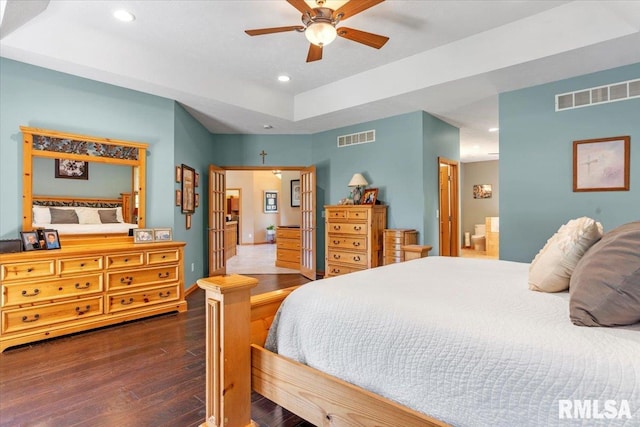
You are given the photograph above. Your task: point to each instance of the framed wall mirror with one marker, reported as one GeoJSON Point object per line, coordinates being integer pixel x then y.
{"type": "Point", "coordinates": [106, 196]}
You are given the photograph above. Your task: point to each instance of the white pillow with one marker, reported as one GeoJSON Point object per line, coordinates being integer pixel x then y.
{"type": "Point", "coordinates": [41, 215]}
{"type": "Point", "coordinates": [551, 269]}
{"type": "Point", "coordinates": [119, 214]}
{"type": "Point", "coordinates": [88, 215]}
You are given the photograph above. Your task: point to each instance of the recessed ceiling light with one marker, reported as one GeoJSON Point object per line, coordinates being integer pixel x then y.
{"type": "Point", "coordinates": [494, 129]}
{"type": "Point", "coordinates": [283, 78]}
{"type": "Point", "coordinates": [124, 15]}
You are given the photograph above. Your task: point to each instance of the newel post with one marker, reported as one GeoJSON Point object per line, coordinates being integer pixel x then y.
{"type": "Point", "coordinates": [228, 358]}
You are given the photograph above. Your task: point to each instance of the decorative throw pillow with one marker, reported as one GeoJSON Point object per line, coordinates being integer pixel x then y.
{"type": "Point", "coordinates": [41, 215]}
{"type": "Point", "coordinates": [88, 215]}
{"type": "Point", "coordinates": [108, 216]}
{"type": "Point", "coordinates": [63, 216]}
{"type": "Point", "coordinates": [551, 269]}
{"type": "Point", "coordinates": [605, 286]}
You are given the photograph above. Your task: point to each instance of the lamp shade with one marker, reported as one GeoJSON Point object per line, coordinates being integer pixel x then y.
{"type": "Point", "coordinates": [358, 181]}
{"type": "Point", "coordinates": [320, 33]}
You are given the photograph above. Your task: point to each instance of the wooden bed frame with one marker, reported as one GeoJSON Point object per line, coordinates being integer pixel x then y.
{"type": "Point", "coordinates": [236, 362]}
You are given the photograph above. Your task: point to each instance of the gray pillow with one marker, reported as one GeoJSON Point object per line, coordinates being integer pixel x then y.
{"type": "Point", "coordinates": [108, 216]}
{"type": "Point", "coordinates": [605, 285]}
{"type": "Point", "coordinates": [63, 216]}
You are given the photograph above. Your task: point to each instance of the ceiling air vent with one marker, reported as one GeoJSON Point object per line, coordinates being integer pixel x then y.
{"type": "Point", "coordinates": [356, 138]}
{"type": "Point", "coordinates": [598, 95]}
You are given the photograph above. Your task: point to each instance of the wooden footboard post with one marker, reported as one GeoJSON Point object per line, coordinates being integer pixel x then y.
{"type": "Point", "coordinates": [228, 313]}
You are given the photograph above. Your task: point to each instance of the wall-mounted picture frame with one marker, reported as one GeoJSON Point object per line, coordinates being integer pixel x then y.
{"type": "Point", "coordinates": [482, 191]}
{"type": "Point", "coordinates": [601, 164]}
{"type": "Point", "coordinates": [197, 200]}
{"type": "Point", "coordinates": [142, 235]}
{"type": "Point", "coordinates": [178, 173]}
{"type": "Point", "coordinates": [71, 169]}
{"type": "Point", "coordinates": [188, 189]}
{"type": "Point", "coordinates": [369, 196]}
{"type": "Point", "coordinates": [270, 204]}
{"type": "Point", "coordinates": [295, 193]}
{"type": "Point", "coordinates": [197, 179]}
{"type": "Point", "coordinates": [51, 239]}
{"type": "Point", "coordinates": [162, 234]}
{"type": "Point", "coordinates": [178, 198]}
{"type": "Point", "coordinates": [188, 221]}
{"type": "Point", "coordinates": [30, 241]}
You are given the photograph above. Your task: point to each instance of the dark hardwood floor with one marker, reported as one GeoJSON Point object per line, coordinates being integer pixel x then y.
{"type": "Point", "coordinates": [149, 372]}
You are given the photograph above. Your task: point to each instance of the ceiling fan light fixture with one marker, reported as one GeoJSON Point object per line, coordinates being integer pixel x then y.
{"type": "Point", "coordinates": [320, 33]}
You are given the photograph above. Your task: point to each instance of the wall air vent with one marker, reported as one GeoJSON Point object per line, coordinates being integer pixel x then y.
{"type": "Point", "coordinates": [598, 95]}
{"type": "Point", "coordinates": [356, 138]}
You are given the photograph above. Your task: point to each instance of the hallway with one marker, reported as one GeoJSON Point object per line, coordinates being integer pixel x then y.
{"type": "Point", "coordinates": [256, 259]}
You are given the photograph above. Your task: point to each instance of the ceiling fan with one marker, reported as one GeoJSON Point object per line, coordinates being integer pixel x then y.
{"type": "Point", "coordinates": [320, 25]}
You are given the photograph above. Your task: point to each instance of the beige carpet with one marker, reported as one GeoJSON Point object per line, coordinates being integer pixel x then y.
{"type": "Point", "coordinates": [256, 259]}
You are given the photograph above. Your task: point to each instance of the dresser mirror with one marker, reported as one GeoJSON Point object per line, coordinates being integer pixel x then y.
{"type": "Point", "coordinates": [82, 186]}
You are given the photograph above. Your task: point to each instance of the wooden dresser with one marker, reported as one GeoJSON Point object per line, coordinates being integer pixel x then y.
{"type": "Point", "coordinates": [230, 239]}
{"type": "Point", "coordinates": [353, 237]}
{"type": "Point", "coordinates": [394, 239]}
{"type": "Point", "coordinates": [288, 247]}
{"type": "Point", "coordinates": [48, 293]}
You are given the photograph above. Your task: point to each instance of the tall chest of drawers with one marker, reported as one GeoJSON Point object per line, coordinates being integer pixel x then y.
{"type": "Point", "coordinates": [394, 239]}
{"type": "Point", "coordinates": [353, 237]}
{"type": "Point", "coordinates": [46, 294]}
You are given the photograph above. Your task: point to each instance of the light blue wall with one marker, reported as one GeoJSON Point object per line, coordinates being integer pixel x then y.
{"type": "Point", "coordinates": [536, 154]}
{"type": "Point", "coordinates": [193, 147]}
{"type": "Point", "coordinates": [244, 150]}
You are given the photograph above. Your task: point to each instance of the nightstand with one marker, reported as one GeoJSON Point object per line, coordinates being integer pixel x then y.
{"type": "Point", "coordinates": [415, 251]}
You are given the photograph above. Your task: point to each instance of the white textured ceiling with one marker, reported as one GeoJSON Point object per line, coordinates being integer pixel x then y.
{"type": "Point", "coordinates": [449, 58]}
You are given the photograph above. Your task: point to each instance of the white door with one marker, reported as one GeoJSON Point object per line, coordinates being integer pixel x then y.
{"type": "Point", "coordinates": [216, 221]}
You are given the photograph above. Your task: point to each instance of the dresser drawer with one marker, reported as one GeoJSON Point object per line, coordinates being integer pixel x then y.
{"type": "Point", "coordinates": [79, 265]}
{"type": "Point", "coordinates": [142, 277]}
{"type": "Point", "coordinates": [346, 228]}
{"type": "Point", "coordinates": [27, 270]}
{"type": "Point", "coordinates": [44, 290]}
{"type": "Point", "coordinates": [49, 314]}
{"type": "Point", "coordinates": [391, 252]}
{"type": "Point", "coordinates": [336, 214]}
{"type": "Point", "coordinates": [125, 260]}
{"type": "Point", "coordinates": [358, 259]}
{"type": "Point", "coordinates": [289, 244]}
{"type": "Point", "coordinates": [357, 214]}
{"type": "Point", "coordinates": [288, 233]}
{"type": "Point", "coordinates": [393, 239]}
{"type": "Point", "coordinates": [145, 297]}
{"type": "Point", "coordinates": [162, 257]}
{"type": "Point", "coordinates": [348, 242]}
{"type": "Point", "coordinates": [288, 256]}
{"type": "Point", "coordinates": [337, 270]}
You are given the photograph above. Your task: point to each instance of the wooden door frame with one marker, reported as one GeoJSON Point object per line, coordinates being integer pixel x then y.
{"type": "Point", "coordinates": [454, 197]}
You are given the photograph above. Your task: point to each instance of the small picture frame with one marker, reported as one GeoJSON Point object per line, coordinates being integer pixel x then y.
{"type": "Point", "coordinates": [197, 179]}
{"type": "Point", "coordinates": [295, 193]}
{"type": "Point", "coordinates": [188, 189]}
{"type": "Point", "coordinates": [270, 201]}
{"type": "Point", "coordinates": [178, 173]}
{"type": "Point", "coordinates": [30, 241]}
{"type": "Point", "coordinates": [188, 222]}
{"type": "Point", "coordinates": [162, 234]}
{"type": "Point", "coordinates": [601, 164]}
{"type": "Point", "coordinates": [482, 191]}
{"type": "Point", "coordinates": [51, 239]}
{"type": "Point", "coordinates": [197, 199]}
{"type": "Point", "coordinates": [142, 235]}
{"type": "Point", "coordinates": [178, 198]}
{"type": "Point", "coordinates": [71, 169]}
{"type": "Point", "coordinates": [369, 196]}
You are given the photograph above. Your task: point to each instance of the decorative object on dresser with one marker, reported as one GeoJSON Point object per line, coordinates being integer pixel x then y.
{"type": "Point", "coordinates": [288, 247]}
{"type": "Point", "coordinates": [142, 235]}
{"type": "Point", "coordinates": [358, 182]}
{"type": "Point", "coordinates": [162, 234]}
{"type": "Point", "coordinates": [30, 241]}
{"type": "Point", "coordinates": [369, 196]}
{"type": "Point", "coordinates": [353, 238]}
{"type": "Point", "coordinates": [79, 287]}
{"type": "Point", "coordinates": [415, 251]}
{"type": "Point", "coordinates": [394, 239]}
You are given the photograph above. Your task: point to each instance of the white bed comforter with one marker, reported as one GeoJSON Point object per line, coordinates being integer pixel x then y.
{"type": "Point", "coordinates": [107, 228]}
{"type": "Point", "coordinates": [465, 341]}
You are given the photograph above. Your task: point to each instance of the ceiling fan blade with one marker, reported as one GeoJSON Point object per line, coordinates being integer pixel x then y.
{"type": "Point", "coordinates": [301, 5]}
{"type": "Point", "coordinates": [315, 53]}
{"type": "Point", "coordinates": [262, 31]}
{"type": "Point", "coordinates": [370, 39]}
{"type": "Point", "coordinates": [354, 7]}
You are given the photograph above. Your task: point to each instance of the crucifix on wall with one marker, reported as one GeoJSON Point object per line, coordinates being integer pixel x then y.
{"type": "Point", "coordinates": [263, 154]}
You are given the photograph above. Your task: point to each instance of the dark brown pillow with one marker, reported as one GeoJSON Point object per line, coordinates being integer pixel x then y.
{"type": "Point", "coordinates": [63, 216]}
{"type": "Point", "coordinates": [605, 285]}
{"type": "Point", "coordinates": [108, 216]}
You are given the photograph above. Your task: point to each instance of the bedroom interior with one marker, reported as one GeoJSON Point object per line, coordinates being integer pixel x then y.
{"type": "Point", "coordinates": [203, 124]}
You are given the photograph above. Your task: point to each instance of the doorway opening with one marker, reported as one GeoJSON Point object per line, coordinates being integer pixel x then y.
{"type": "Point", "coordinates": [448, 207]}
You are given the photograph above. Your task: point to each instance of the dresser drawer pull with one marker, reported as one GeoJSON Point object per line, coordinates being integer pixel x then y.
{"type": "Point", "coordinates": [82, 265]}
{"type": "Point", "coordinates": [26, 319]}
{"type": "Point", "coordinates": [335, 270]}
{"type": "Point", "coordinates": [125, 302]}
{"type": "Point", "coordinates": [357, 227]}
{"type": "Point", "coordinates": [356, 244]}
{"type": "Point", "coordinates": [164, 256]}
{"type": "Point", "coordinates": [29, 270]}
{"type": "Point", "coordinates": [336, 227]}
{"type": "Point", "coordinates": [126, 260]}
{"type": "Point", "coordinates": [35, 292]}
{"type": "Point", "coordinates": [86, 307]}
{"type": "Point", "coordinates": [127, 280]}
{"type": "Point", "coordinates": [164, 295]}
{"type": "Point", "coordinates": [164, 276]}
{"type": "Point", "coordinates": [86, 285]}
{"type": "Point", "coordinates": [336, 242]}
{"type": "Point", "coordinates": [336, 256]}
{"type": "Point", "coordinates": [356, 258]}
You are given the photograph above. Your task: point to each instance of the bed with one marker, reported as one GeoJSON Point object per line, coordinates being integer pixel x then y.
{"type": "Point", "coordinates": [89, 216]}
{"type": "Point", "coordinates": [434, 341]}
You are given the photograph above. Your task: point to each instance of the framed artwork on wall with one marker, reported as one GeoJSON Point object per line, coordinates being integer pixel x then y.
{"type": "Point", "coordinates": [71, 169]}
{"type": "Point", "coordinates": [601, 164]}
{"type": "Point", "coordinates": [482, 191]}
{"type": "Point", "coordinates": [270, 201]}
{"type": "Point", "coordinates": [188, 189]}
{"type": "Point", "coordinates": [295, 193]}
